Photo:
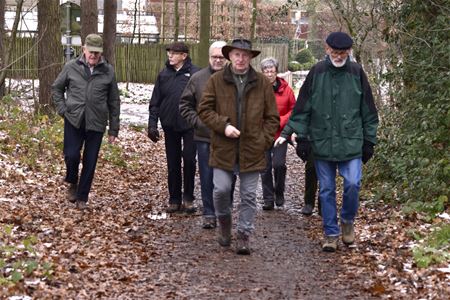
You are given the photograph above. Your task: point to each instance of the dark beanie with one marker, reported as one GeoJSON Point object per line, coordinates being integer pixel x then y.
{"type": "Point", "coordinates": [339, 40]}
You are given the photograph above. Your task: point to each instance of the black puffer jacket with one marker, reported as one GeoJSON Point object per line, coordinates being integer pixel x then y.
{"type": "Point", "coordinates": [166, 96]}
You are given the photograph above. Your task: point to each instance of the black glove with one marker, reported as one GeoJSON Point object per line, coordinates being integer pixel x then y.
{"type": "Point", "coordinates": [153, 134]}
{"type": "Point", "coordinates": [367, 151]}
{"type": "Point", "coordinates": [303, 148]}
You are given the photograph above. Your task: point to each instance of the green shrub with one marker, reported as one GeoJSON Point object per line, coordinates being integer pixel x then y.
{"type": "Point", "coordinates": [304, 56]}
{"type": "Point", "coordinates": [294, 66]}
{"type": "Point", "coordinates": [434, 249]}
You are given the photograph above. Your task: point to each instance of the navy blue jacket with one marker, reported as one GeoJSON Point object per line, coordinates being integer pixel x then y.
{"type": "Point", "coordinates": [166, 96]}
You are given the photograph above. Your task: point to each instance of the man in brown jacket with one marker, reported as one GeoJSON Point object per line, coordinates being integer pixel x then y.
{"type": "Point", "coordinates": [239, 107]}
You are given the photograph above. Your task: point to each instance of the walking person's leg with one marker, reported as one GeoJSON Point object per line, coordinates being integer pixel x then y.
{"type": "Point", "coordinates": [172, 141]}
{"type": "Point", "coordinates": [267, 182]}
{"type": "Point", "coordinates": [310, 187]}
{"type": "Point", "coordinates": [279, 168]}
{"type": "Point", "coordinates": [73, 142]}
{"type": "Point", "coordinates": [326, 172]}
{"type": "Point", "coordinates": [247, 210]}
{"type": "Point", "coordinates": [189, 150]}
{"type": "Point", "coordinates": [206, 184]}
{"type": "Point", "coordinates": [222, 203]}
{"type": "Point", "coordinates": [93, 141]}
{"type": "Point", "coordinates": [351, 171]}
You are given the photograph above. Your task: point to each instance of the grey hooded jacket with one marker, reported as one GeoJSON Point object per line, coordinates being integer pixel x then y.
{"type": "Point", "coordinates": [94, 97]}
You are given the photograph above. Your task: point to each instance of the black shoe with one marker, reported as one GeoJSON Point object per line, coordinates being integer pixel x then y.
{"type": "Point", "coordinates": [189, 208]}
{"type": "Point", "coordinates": [307, 210]}
{"type": "Point", "coordinates": [268, 205]}
{"type": "Point", "coordinates": [72, 192]}
{"type": "Point", "coordinates": [173, 208]}
{"type": "Point", "coordinates": [209, 223]}
{"type": "Point", "coordinates": [279, 200]}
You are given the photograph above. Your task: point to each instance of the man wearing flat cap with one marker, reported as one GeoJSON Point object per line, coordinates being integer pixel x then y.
{"type": "Point", "coordinates": [178, 134]}
{"type": "Point", "coordinates": [85, 94]}
{"type": "Point", "coordinates": [335, 117]}
{"type": "Point", "coordinates": [239, 107]}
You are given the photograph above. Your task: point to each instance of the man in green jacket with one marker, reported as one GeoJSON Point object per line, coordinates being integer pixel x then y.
{"type": "Point", "coordinates": [335, 117]}
{"type": "Point", "coordinates": [239, 107]}
{"type": "Point", "coordinates": [91, 102]}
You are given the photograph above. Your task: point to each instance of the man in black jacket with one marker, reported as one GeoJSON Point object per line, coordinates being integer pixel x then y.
{"type": "Point", "coordinates": [178, 135]}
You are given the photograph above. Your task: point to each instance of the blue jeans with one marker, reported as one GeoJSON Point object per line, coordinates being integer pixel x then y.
{"type": "Point", "coordinates": [351, 171]}
{"type": "Point", "coordinates": [206, 179]}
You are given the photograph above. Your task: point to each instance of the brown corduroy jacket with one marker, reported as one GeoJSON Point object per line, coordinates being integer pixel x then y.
{"type": "Point", "coordinates": [258, 123]}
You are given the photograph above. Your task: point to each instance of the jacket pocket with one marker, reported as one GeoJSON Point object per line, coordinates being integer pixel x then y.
{"type": "Point", "coordinates": [321, 141]}
{"type": "Point", "coordinates": [352, 140]}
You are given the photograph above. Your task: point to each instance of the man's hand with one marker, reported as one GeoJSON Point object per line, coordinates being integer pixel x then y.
{"type": "Point", "coordinates": [367, 151]}
{"type": "Point", "coordinates": [303, 149]}
{"type": "Point", "coordinates": [111, 139]}
{"type": "Point", "coordinates": [153, 134]}
{"type": "Point", "coordinates": [232, 132]}
{"type": "Point", "coordinates": [280, 140]}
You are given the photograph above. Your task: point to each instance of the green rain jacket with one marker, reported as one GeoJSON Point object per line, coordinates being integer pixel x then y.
{"type": "Point", "coordinates": [94, 97]}
{"type": "Point", "coordinates": [335, 110]}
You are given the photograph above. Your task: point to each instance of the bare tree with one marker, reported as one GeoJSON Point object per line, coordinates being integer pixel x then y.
{"type": "Point", "coordinates": [109, 30]}
{"type": "Point", "coordinates": [89, 18]}
{"type": "Point", "coordinates": [253, 26]}
{"type": "Point", "coordinates": [12, 39]}
{"type": "Point", "coordinates": [50, 51]}
{"type": "Point", "coordinates": [205, 24]}
{"type": "Point", "coordinates": [177, 21]}
{"type": "Point", "coordinates": [2, 36]}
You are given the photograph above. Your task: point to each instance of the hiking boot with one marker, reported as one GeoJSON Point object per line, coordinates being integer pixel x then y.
{"type": "Point", "coordinates": [330, 244]}
{"type": "Point", "coordinates": [348, 233]}
{"type": "Point", "coordinates": [307, 210]}
{"type": "Point", "coordinates": [189, 207]}
{"type": "Point", "coordinates": [224, 236]}
{"type": "Point", "coordinates": [81, 205]}
{"type": "Point", "coordinates": [72, 192]}
{"type": "Point", "coordinates": [209, 223]}
{"type": "Point", "coordinates": [268, 205]}
{"type": "Point", "coordinates": [242, 246]}
{"type": "Point", "coordinates": [279, 200]}
{"type": "Point", "coordinates": [173, 208]}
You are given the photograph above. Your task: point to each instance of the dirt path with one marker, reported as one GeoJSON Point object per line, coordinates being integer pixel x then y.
{"type": "Point", "coordinates": [119, 249]}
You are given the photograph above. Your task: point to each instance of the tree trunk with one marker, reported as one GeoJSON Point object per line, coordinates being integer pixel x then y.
{"type": "Point", "coordinates": [89, 18]}
{"type": "Point", "coordinates": [177, 21]}
{"type": "Point", "coordinates": [253, 25]}
{"type": "Point", "coordinates": [109, 31]}
{"type": "Point", "coordinates": [2, 36]}
{"type": "Point", "coordinates": [50, 51]}
{"type": "Point", "coordinates": [205, 22]}
{"type": "Point", "coordinates": [12, 39]}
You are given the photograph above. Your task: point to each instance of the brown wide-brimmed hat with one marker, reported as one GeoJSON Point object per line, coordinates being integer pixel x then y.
{"type": "Point", "coordinates": [241, 44]}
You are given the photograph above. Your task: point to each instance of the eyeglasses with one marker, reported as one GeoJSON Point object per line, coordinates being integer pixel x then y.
{"type": "Point", "coordinates": [269, 72]}
{"type": "Point", "coordinates": [217, 57]}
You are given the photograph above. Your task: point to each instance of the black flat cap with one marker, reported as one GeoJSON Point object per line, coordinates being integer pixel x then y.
{"type": "Point", "coordinates": [339, 40]}
{"type": "Point", "coordinates": [178, 47]}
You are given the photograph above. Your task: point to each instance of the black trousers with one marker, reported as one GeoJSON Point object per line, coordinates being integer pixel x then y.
{"type": "Point", "coordinates": [180, 146]}
{"type": "Point", "coordinates": [74, 139]}
{"type": "Point", "coordinates": [310, 182]}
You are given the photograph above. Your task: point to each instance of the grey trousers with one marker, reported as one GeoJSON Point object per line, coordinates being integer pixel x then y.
{"type": "Point", "coordinates": [247, 207]}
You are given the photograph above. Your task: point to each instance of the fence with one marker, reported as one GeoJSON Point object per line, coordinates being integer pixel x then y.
{"type": "Point", "coordinates": [134, 62]}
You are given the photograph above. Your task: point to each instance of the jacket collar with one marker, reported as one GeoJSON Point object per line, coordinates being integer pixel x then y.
{"type": "Point", "coordinates": [228, 75]}
{"type": "Point", "coordinates": [184, 69]}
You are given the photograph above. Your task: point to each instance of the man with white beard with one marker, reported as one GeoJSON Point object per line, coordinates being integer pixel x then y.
{"type": "Point", "coordinates": [335, 117]}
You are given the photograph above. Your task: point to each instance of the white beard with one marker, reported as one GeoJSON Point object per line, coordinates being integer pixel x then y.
{"type": "Point", "coordinates": [338, 65]}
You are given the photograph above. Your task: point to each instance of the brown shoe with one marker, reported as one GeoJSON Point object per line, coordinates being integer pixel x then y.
{"type": "Point", "coordinates": [173, 208]}
{"type": "Point", "coordinates": [242, 246]}
{"type": "Point", "coordinates": [348, 233]}
{"type": "Point", "coordinates": [72, 192]}
{"type": "Point", "coordinates": [330, 244]}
